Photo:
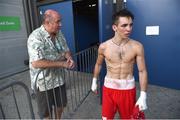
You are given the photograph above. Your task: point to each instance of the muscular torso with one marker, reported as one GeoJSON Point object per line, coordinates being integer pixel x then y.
{"type": "Point", "coordinates": [119, 59]}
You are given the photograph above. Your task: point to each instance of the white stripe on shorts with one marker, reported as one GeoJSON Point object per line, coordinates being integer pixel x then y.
{"type": "Point", "coordinates": [119, 84]}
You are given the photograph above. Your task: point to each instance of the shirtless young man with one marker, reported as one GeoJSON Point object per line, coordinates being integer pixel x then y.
{"type": "Point", "coordinates": [120, 54]}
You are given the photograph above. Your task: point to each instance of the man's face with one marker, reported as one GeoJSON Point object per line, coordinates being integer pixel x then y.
{"type": "Point", "coordinates": [123, 27]}
{"type": "Point", "coordinates": [55, 24]}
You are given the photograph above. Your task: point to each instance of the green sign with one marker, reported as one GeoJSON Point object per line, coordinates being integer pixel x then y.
{"type": "Point", "coordinates": [9, 23]}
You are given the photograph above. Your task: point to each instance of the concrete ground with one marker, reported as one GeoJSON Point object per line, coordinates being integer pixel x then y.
{"type": "Point", "coordinates": [163, 103]}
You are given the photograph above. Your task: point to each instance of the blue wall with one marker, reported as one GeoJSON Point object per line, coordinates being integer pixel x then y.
{"type": "Point", "coordinates": [105, 19]}
{"type": "Point", "coordinates": [86, 31]}
{"type": "Point", "coordinates": [162, 52]}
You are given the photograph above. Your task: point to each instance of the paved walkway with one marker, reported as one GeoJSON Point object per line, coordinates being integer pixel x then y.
{"type": "Point", "coordinates": [163, 103]}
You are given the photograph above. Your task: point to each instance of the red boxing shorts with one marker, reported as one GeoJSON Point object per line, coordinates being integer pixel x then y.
{"type": "Point", "coordinates": [118, 95]}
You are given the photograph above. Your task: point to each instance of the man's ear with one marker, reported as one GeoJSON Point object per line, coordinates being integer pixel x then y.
{"type": "Point", "coordinates": [114, 27]}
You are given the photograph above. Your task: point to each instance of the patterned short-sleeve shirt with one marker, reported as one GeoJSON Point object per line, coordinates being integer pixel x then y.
{"type": "Point", "coordinates": [40, 46]}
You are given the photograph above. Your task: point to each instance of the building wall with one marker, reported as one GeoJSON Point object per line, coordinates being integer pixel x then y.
{"type": "Point", "coordinates": [13, 50]}
{"type": "Point", "coordinates": [162, 50]}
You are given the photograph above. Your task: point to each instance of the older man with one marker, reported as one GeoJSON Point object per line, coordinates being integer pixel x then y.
{"type": "Point", "coordinates": [48, 51]}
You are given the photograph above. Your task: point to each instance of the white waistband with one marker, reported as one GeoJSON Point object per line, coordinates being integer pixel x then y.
{"type": "Point", "coordinates": [119, 84]}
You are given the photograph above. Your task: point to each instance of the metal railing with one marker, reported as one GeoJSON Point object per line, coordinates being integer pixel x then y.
{"type": "Point", "coordinates": [14, 103]}
{"type": "Point", "coordinates": [78, 82]}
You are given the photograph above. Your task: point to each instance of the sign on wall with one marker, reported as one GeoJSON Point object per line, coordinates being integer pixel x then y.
{"type": "Point", "coordinates": [9, 23]}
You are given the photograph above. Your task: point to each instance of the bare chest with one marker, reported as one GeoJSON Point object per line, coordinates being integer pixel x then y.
{"type": "Point", "coordinates": [116, 54]}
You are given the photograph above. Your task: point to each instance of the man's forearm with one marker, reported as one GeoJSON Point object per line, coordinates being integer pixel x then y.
{"type": "Point", "coordinates": [47, 64]}
{"type": "Point", "coordinates": [143, 80]}
{"type": "Point", "coordinates": [97, 70]}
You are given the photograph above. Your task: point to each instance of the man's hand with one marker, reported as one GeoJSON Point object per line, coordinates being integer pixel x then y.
{"type": "Point", "coordinates": [70, 63]}
{"type": "Point", "coordinates": [142, 101]}
{"type": "Point", "coordinates": [94, 85]}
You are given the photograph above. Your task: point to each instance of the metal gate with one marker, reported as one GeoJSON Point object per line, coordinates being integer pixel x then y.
{"type": "Point", "coordinates": [16, 102]}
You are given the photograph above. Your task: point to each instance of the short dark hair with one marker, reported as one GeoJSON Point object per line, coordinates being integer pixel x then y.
{"type": "Point", "coordinates": [122, 13]}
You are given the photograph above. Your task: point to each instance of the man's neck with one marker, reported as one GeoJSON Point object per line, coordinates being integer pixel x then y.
{"type": "Point", "coordinates": [53, 35]}
{"type": "Point", "coordinates": [119, 41]}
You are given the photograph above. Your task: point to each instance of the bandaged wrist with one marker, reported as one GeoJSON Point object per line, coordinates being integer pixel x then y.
{"type": "Point", "coordinates": [94, 80]}
{"type": "Point", "coordinates": [143, 94]}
